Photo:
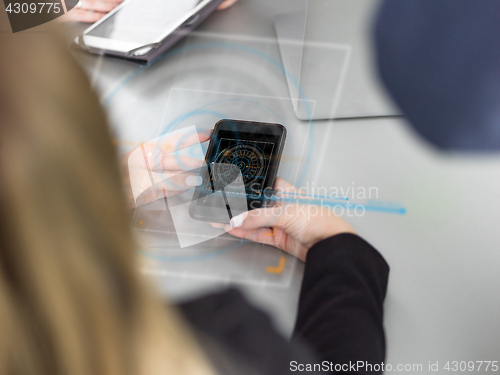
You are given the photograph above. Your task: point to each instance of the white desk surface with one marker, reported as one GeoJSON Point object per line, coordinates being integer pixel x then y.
{"type": "Point", "coordinates": [443, 299]}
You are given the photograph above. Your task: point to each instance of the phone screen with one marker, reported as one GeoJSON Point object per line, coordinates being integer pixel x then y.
{"type": "Point", "coordinates": [242, 159]}
{"type": "Point", "coordinates": [143, 21]}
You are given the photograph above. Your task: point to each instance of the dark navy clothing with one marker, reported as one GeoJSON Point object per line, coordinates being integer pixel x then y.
{"type": "Point", "coordinates": [440, 60]}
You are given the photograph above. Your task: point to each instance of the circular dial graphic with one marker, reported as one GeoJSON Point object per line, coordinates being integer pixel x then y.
{"type": "Point", "coordinates": [242, 158]}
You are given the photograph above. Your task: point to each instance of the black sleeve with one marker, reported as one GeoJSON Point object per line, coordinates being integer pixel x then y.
{"type": "Point", "coordinates": [245, 334]}
{"type": "Point", "coordinates": [340, 311]}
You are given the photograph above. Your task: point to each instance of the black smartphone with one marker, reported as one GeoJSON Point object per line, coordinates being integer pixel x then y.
{"type": "Point", "coordinates": [241, 165]}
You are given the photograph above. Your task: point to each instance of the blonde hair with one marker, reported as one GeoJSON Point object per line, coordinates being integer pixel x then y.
{"type": "Point", "coordinates": [71, 299]}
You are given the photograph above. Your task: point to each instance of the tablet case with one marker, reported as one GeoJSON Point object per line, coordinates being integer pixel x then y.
{"type": "Point", "coordinates": [149, 52]}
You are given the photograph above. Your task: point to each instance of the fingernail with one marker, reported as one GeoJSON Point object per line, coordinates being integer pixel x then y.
{"type": "Point", "coordinates": [217, 225]}
{"type": "Point", "coordinates": [237, 221]}
{"type": "Point", "coordinates": [194, 181]}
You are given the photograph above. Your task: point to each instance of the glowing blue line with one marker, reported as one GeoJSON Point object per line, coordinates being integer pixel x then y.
{"type": "Point", "coordinates": [400, 210]}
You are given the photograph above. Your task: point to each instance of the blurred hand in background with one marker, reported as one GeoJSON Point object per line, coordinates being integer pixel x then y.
{"type": "Point", "coordinates": [155, 169]}
{"type": "Point", "coordinates": [91, 11]}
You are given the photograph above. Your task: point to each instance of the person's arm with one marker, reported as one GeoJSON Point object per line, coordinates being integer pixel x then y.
{"type": "Point", "coordinates": [340, 310]}
{"type": "Point", "coordinates": [341, 302]}
{"type": "Point", "coordinates": [246, 335]}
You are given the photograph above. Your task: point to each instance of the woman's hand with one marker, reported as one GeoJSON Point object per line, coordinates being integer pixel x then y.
{"type": "Point", "coordinates": [91, 11]}
{"type": "Point", "coordinates": [226, 4]}
{"type": "Point", "coordinates": [291, 227]}
{"type": "Point", "coordinates": [154, 170]}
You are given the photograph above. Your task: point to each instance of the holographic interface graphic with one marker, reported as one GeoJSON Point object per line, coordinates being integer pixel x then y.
{"type": "Point", "coordinates": [248, 158]}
